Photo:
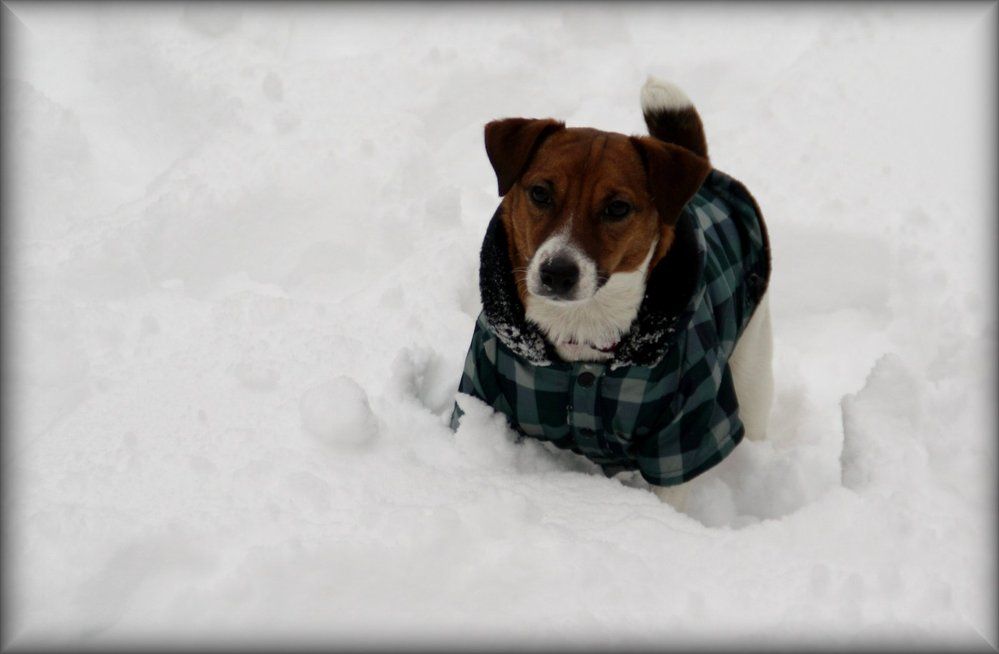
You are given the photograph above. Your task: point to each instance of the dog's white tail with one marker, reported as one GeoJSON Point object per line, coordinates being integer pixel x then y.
{"type": "Point", "coordinates": [671, 116]}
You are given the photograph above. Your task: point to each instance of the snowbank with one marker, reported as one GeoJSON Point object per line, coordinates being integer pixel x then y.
{"type": "Point", "coordinates": [241, 279]}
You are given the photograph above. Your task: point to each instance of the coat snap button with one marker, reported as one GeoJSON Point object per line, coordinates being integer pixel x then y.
{"type": "Point", "coordinates": [587, 379]}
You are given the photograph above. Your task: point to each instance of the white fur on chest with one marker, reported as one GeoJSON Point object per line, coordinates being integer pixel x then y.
{"type": "Point", "coordinates": [601, 320]}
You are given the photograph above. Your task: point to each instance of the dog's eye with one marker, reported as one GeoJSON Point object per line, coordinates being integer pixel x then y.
{"type": "Point", "coordinates": [617, 209]}
{"type": "Point", "coordinates": [540, 195]}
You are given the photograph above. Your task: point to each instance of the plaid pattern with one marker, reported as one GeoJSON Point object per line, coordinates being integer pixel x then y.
{"type": "Point", "coordinates": [674, 419]}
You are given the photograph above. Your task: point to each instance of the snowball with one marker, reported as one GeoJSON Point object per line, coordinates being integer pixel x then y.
{"type": "Point", "coordinates": [338, 413]}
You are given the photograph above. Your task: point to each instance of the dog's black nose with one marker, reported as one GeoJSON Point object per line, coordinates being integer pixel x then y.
{"type": "Point", "coordinates": [559, 275]}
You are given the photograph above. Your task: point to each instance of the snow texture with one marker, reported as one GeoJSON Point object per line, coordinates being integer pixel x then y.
{"type": "Point", "coordinates": [240, 282]}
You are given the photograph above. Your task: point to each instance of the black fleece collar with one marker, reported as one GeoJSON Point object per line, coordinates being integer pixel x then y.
{"type": "Point", "coordinates": [666, 307]}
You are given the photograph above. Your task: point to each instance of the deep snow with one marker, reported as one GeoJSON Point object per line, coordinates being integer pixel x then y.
{"type": "Point", "coordinates": [241, 277]}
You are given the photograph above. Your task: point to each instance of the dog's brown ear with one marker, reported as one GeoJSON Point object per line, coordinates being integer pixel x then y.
{"type": "Point", "coordinates": [510, 144]}
{"type": "Point", "coordinates": [674, 174]}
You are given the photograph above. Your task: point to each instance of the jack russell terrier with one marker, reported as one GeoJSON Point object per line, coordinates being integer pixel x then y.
{"type": "Point", "coordinates": [623, 282]}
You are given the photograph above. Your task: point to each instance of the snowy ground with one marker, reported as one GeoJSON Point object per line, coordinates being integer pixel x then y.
{"type": "Point", "coordinates": [240, 280]}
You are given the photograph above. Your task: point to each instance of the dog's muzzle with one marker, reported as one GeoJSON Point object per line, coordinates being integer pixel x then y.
{"type": "Point", "coordinates": [561, 272]}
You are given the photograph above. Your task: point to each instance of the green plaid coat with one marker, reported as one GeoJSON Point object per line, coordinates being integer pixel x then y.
{"type": "Point", "coordinates": [665, 404]}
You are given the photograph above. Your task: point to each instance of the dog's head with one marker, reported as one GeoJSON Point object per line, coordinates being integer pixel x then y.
{"type": "Point", "coordinates": [581, 205]}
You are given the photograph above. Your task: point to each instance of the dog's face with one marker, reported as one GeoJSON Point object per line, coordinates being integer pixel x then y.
{"type": "Point", "coordinates": [582, 205]}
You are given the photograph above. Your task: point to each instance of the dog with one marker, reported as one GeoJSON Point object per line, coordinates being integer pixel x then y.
{"type": "Point", "coordinates": [624, 290]}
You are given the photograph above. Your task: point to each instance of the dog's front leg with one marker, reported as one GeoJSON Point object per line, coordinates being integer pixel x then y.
{"type": "Point", "coordinates": [675, 496]}
{"type": "Point", "coordinates": [753, 373]}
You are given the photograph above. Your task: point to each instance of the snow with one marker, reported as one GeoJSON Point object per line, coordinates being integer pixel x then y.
{"type": "Point", "coordinates": [337, 411]}
{"type": "Point", "coordinates": [241, 277]}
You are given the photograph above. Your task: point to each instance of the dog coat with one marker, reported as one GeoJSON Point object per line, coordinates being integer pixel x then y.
{"type": "Point", "coordinates": [665, 403]}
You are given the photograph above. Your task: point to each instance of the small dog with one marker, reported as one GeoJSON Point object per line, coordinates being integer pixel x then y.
{"type": "Point", "coordinates": [623, 285]}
